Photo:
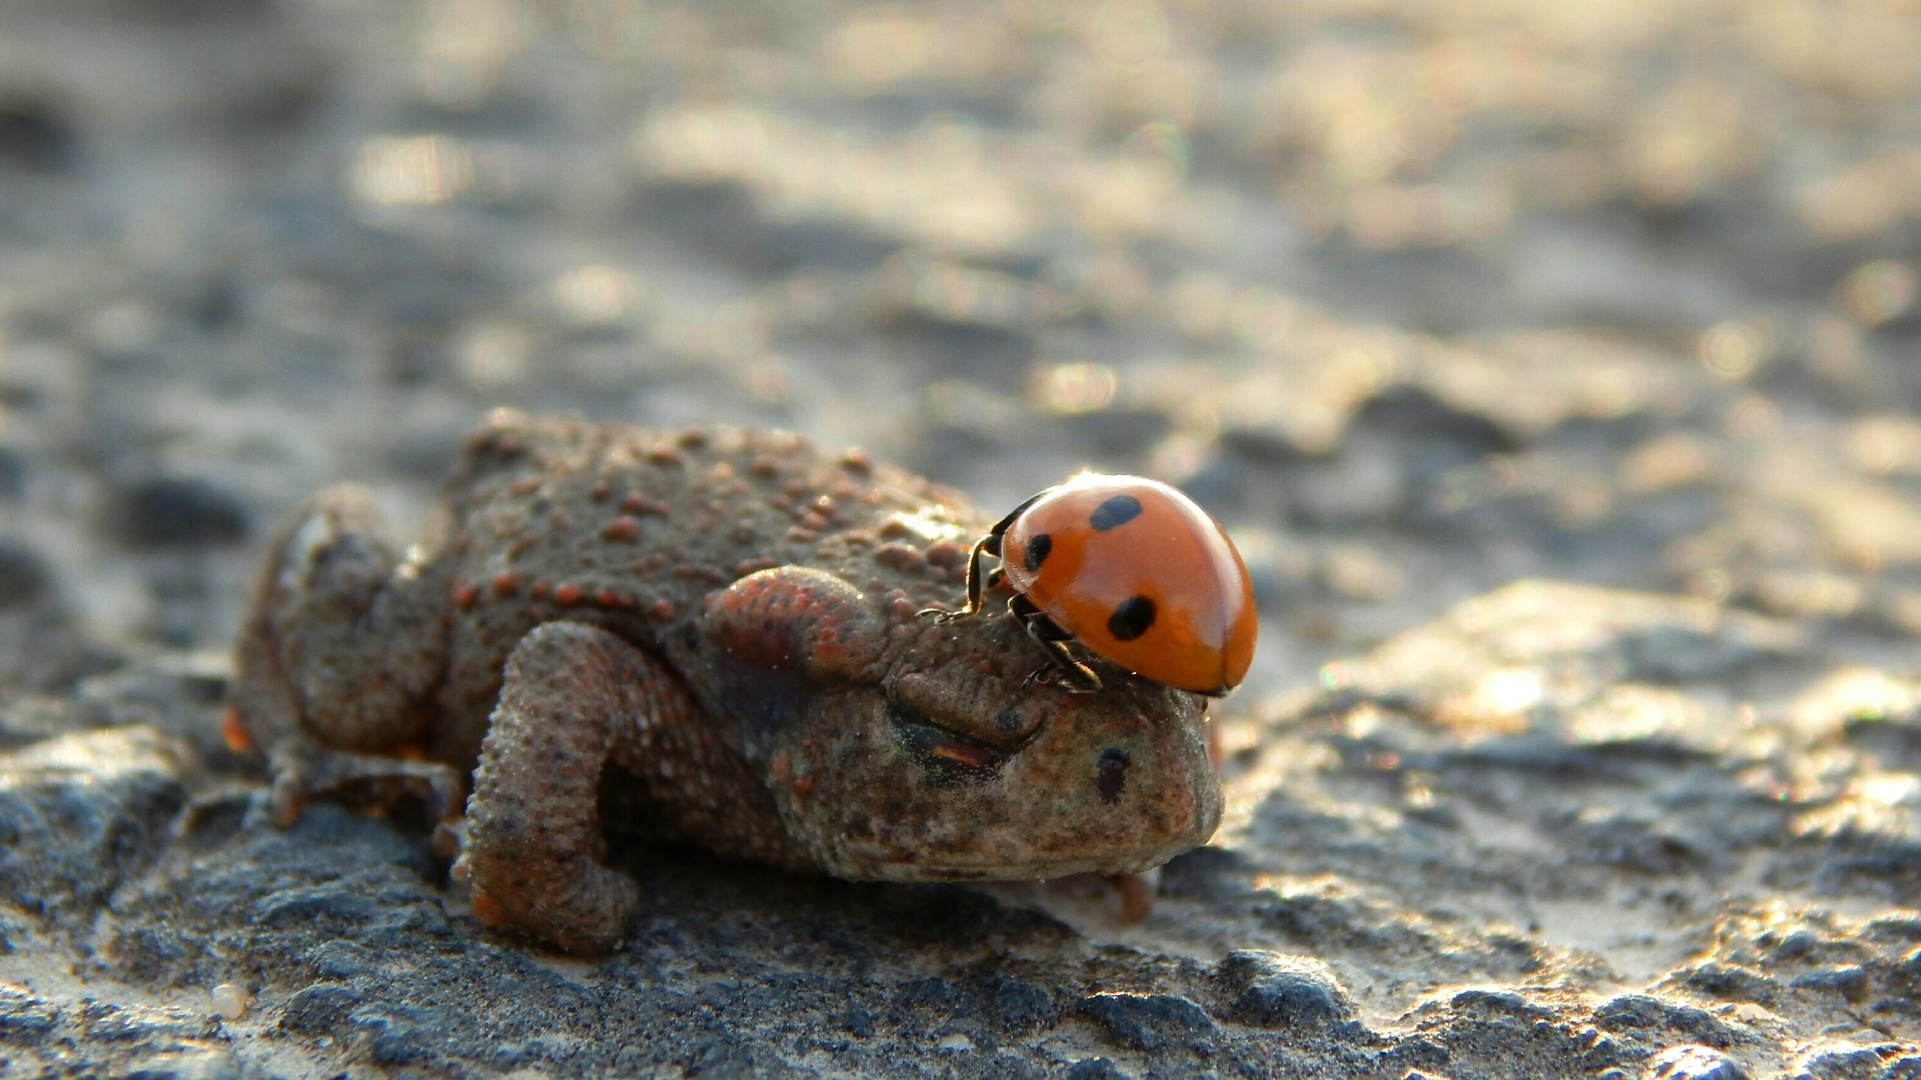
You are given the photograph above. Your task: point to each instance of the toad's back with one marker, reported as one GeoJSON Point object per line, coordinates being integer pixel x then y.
{"type": "Point", "coordinates": [629, 529]}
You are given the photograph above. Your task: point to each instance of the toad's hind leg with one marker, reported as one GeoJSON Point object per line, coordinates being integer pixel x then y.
{"type": "Point", "coordinates": [574, 698]}
{"type": "Point", "coordinates": [339, 659]}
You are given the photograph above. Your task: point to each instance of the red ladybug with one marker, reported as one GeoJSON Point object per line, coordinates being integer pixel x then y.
{"type": "Point", "coordinates": [1131, 569]}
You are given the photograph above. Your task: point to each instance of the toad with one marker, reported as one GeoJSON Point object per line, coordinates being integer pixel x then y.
{"type": "Point", "coordinates": [704, 637]}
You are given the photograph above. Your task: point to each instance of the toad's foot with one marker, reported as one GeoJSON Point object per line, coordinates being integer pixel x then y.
{"type": "Point", "coordinates": [1136, 896]}
{"type": "Point", "coordinates": [303, 769]}
{"type": "Point", "coordinates": [573, 696]}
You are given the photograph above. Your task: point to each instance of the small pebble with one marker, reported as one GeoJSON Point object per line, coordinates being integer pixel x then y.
{"type": "Point", "coordinates": [1278, 990]}
{"type": "Point", "coordinates": [230, 1001]}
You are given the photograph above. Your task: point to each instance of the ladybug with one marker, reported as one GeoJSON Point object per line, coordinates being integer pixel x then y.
{"type": "Point", "coordinates": [1131, 569]}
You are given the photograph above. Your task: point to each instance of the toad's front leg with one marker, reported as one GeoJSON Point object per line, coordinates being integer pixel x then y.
{"type": "Point", "coordinates": [573, 698]}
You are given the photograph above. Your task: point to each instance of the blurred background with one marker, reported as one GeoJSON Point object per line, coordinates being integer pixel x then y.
{"type": "Point", "coordinates": [1417, 297]}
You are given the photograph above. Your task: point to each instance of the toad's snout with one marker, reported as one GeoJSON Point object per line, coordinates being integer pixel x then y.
{"type": "Point", "coordinates": [1114, 786]}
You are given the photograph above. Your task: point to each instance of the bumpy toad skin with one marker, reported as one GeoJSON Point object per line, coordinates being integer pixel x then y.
{"type": "Point", "coordinates": [707, 637]}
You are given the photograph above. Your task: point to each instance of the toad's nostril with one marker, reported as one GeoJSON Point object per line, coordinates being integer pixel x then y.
{"type": "Point", "coordinates": [1110, 774]}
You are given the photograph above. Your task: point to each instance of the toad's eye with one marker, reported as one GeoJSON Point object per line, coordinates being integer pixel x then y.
{"type": "Point", "coordinates": [945, 755]}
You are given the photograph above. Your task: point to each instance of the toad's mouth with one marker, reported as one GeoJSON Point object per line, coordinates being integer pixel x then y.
{"type": "Point", "coordinates": [946, 756]}
{"type": "Point", "coordinates": [1045, 867]}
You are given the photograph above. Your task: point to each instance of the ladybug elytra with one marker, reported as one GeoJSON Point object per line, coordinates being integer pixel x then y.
{"type": "Point", "coordinates": [1131, 569]}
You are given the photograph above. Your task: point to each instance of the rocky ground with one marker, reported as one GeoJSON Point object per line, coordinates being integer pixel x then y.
{"type": "Point", "coordinates": [1555, 367]}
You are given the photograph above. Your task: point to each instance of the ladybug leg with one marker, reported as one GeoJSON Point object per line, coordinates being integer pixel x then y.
{"type": "Point", "coordinates": [1080, 679]}
{"type": "Point", "coordinates": [986, 545]}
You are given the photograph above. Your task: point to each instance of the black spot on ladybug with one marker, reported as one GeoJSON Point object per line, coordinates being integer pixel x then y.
{"type": "Point", "coordinates": [1110, 774]}
{"type": "Point", "coordinates": [1131, 619]}
{"type": "Point", "coordinates": [1036, 552]}
{"type": "Point", "coordinates": [1118, 510]}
